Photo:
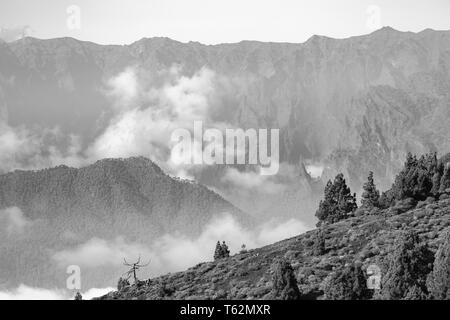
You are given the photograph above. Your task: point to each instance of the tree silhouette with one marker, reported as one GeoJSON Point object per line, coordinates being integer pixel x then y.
{"type": "Point", "coordinates": [338, 201]}
{"type": "Point", "coordinates": [319, 243]}
{"type": "Point", "coordinates": [348, 284]}
{"type": "Point", "coordinates": [284, 282]}
{"type": "Point", "coordinates": [436, 179]}
{"type": "Point", "coordinates": [225, 250]}
{"type": "Point", "coordinates": [218, 251]}
{"type": "Point", "coordinates": [416, 178]}
{"type": "Point", "coordinates": [445, 180]}
{"type": "Point", "coordinates": [221, 251]}
{"type": "Point", "coordinates": [409, 265]}
{"type": "Point", "coordinates": [371, 195]}
{"type": "Point", "coordinates": [134, 268]}
{"type": "Point", "coordinates": [439, 280]}
{"type": "Point", "coordinates": [122, 283]}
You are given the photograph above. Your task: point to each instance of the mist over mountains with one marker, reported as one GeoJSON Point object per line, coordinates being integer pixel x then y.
{"type": "Point", "coordinates": [350, 105]}
{"type": "Point", "coordinates": [95, 216]}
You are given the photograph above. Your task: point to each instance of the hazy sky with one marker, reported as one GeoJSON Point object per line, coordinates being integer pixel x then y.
{"type": "Point", "coordinates": [211, 21]}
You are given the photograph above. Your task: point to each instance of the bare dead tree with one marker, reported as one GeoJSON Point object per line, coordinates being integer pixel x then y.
{"type": "Point", "coordinates": [134, 267]}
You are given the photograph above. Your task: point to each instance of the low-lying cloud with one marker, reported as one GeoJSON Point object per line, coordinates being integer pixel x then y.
{"type": "Point", "coordinates": [15, 33]}
{"type": "Point", "coordinates": [175, 253]}
{"type": "Point", "coordinates": [24, 148]}
{"type": "Point", "coordinates": [314, 170]}
{"type": "Point", "coordinates": [13, 220]}
{"type": "Point", "coordinates": [24, 292]}
{"type": "Point", "coordinates": [149, 107]}
{"type": "Point", "coordinates": [252, 181]}
{"type": "Point", "coordinates": [145, 109]}
{"type": "Point", "coordinates": [99, 252]}
{"type": "Point", "coordinates": [172, 253]}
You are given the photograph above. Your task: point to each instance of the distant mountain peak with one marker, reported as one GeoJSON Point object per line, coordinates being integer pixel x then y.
{"type": "Point", "coordinates": [115, 190]}
{"type": "Point", "coordinates": [388, 30]}
{"type": "Point", "coordinates": [124, 160]}
{"type": "Point", "coordinates": [159, 41]}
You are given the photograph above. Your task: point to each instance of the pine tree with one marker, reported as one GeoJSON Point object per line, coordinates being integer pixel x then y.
{"type": "Point", "coordinates": [371, 195]}
{"type": "Point", "coordinates": [221, 251]}
{"type": "Point", "coordinates": [424, 178]}
{"type": "Point", "coordinates": [225, 250]}
{"type": "Point", "coordinates": [348, 284]}
{"type": "Point", "coordinates": [122, 283]}
{"type": "Point", "coordinates": [445, 180]}
{"type": "Point", "coordinates": [319, 244]}
{"type": "Point", "coordinates": [387, 199]}
{"type": "Point", "coordinates": [439, 281]}
{"type": "Point", "coordinates": [436, 180]}
{"type": "Point", "coordinates": [284, 282]}
{"type": "Point", "coordinates": [327, 205]}
{"type": "Point", "coordinates": [416, 178]}
{"type": "Point", "coordinates": [218, 252]}
{"type": "Point", "coordinates": [338, 201]}
{"type": "Point", "coordinates": [411, 161]}
{"type": "Point", "coordinates": [409, 264]}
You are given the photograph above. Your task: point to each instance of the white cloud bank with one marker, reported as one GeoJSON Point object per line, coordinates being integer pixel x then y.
{"type": "Point", "coordinates": [172, 253]}
{"type": "Point", "coordinates": [175, 253]}
{"type": "Point", "coordinates": [149, 107]}
{"type": "Point", "coordinates": [169, 253]}
{"type": "Point", "coordinates": [314, 170]}
{"type": "Point", "coordinates": [15, 33]}
{"type": "Point", "coordinates": [99, 252]}
{"type": "Point", "coordinates": [146, 109]}
{"type": "Point", "coordinates": [24, 148]}
{"type": "Point", "coordinates": [253, 181]}
{"type": "Point", "coordinates": [24, 292]}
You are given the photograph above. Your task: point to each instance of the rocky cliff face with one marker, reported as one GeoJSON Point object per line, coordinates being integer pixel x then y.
{"type": "Point", "coordinates": [46, 211]}
{"type": "Point", "coordinates": [365, 240]}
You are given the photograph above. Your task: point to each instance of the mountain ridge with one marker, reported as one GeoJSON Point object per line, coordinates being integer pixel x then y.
{"type": "Point", "coordinates": [118, 201]}
{"type": "Point", "coordinates": [107, 172]}
{"type": "Point", "coordinates": [394, 100]}
{"type": "Point", "coordinates": [158, 38]}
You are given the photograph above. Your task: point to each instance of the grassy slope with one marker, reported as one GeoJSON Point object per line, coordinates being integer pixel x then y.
{"type": "Point", "coordinates": [366, 238]}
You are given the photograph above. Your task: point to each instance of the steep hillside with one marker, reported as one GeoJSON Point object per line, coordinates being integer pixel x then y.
{"type": "Point", "coordinates": [365, 240]}
{"type": "Point", "coordinates": [112, 189]}
{"type": "Point", "coordinates": [46, 211]}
